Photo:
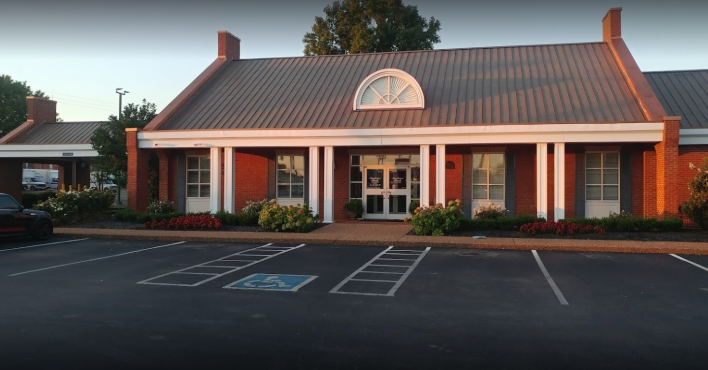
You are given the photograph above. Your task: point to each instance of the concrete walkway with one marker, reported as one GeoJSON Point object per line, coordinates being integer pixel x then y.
{"type": "Point", "coordinates": [385, 234]}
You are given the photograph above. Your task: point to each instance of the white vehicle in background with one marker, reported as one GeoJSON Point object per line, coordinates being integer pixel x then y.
{"type": "Point", "coordinates": [105, 186]}
{"type": "Point", "coordinates": [54, 184]}
{"type": "Point", "coordinates": [33, 183]}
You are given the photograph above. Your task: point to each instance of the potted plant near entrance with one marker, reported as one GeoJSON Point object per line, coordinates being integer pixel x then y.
{"type": "Point", "coordinates": [354, 208]}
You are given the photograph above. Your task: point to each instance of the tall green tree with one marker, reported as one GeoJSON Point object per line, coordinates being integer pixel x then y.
{"type": "Point", "coordinates": [109, 139]}
{"type": "Point", "coordinates": [13, 103]}
{"type": "Point", "coordinates": [366, 26]}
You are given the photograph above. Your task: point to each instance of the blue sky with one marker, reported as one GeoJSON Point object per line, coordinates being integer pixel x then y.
{"type": "Point", "coordinates": [79, 52]}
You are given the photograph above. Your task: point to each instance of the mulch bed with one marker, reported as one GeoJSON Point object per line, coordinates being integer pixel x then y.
{"type": "Point", "coordinates": [687, 235]}
{"type": "Point", "coordinates": [110, 223]}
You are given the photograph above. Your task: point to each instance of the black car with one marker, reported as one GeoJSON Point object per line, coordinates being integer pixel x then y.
{"type": "Point", "coordinates": [16, 220]}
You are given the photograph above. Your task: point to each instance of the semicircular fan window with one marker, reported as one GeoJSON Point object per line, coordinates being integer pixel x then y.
{"type": "Point", "coordinates": [389, 90]}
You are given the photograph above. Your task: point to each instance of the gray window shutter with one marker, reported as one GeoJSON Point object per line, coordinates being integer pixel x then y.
{"type": "Point", "coordinates": [467, 185]}
{"type": "Point", "coordinates": [181, 182]}
{"type": "Point", "coordinates": [580, 185]}
{"type": "Point", "coordinates": [510, 185]}
{"type": "Point", "coordinates": [306, 188]}
{"type": "Point", "coordinates": [626, 181]}
{"type": "Point", "coordinates": [272, 177]}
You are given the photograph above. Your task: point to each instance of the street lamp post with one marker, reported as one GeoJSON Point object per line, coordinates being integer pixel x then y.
{"type": "Point", "coordinates": [120, 101]}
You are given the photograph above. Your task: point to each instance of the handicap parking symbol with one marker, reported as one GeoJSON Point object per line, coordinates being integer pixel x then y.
{"type": "Point", "coordinates": [288, 283]}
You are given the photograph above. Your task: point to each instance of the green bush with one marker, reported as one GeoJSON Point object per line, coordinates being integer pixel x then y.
{"type": "Point", "coordinates": [412, 207]}
{"type": "Point", "coordinates": [30, 199]}
{"type": "Point", "coordinates": [501, 223]}
{"type": "Point", "coordinates": [437, 220]}
{"type": "Point", "coordinates": [291, 218]}
{"type": "Point", "coordinates": [125, 214]}
{"type": "Point", "coordinates": [248, 218]}
{"type": "Point", "coordinates": [161, 207]}
{"type": "Point", "coordinates": [696, 208]}
{"type": "Point", "coordinates": [76, 205]}
{"type": "Point", "coordinates": [625, 222]}
{"type": "Point", "coordinates": [354, 206]}
{"type": "Point", "coordinates": [490, 212]}
{"type": "Point", "coordinates": [128, 215]}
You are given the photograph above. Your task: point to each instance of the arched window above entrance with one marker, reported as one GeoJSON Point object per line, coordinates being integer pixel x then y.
{"type": "Point", "coordinates": [389, 89]}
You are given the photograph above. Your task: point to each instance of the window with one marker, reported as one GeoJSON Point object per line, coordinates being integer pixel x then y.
{"type": "Point", "coordinates": [488, 176]}
{"type": "Point", "coordinates": [602, 176]}
{"type": "Point", "coordinates": [8, 203]}
{"type": "Point", "coordinates": [198, 182]}
{"type": "Point", "coordinates": [291, 176]}
{"type": "Point", "coordinates": [389, 88]}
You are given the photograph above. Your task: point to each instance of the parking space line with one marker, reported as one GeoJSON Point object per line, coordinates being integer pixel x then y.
{"type": "Point", "coordinates": [552, 283]}
{"type": "Point", "coordinates": [41, 245]}
{"type": "Point", "coordinates": [397, 283]}
{"type": "Point", "coordinates": [239, 260]}
{"type": "Point", "coordinates": [381, 272]}
{"type": "Point", "coordinates": [691, 262]}
{"type": "Point", "coordinates": [197, 273]}
{"type": "Point", "coordinates": [96, 259]}
{"type": "Point", "coordinates": [226, 258]}
{"type": "Point", "coordinates": [403, 254]}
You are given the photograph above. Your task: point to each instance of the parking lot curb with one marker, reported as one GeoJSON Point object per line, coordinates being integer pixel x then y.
{"type": "Point", "coordinates": [570, 245]}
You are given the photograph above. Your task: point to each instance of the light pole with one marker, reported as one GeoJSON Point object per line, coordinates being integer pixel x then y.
{"type": "Point", "coordinates": [120, 101]}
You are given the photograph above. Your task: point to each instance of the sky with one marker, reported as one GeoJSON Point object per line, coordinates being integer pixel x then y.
{"type": "Point", "coordinates": [79, 51]}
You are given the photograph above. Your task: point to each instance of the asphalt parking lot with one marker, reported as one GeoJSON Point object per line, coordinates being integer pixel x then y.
{"type": "Point", "coordinates": [86, 303]}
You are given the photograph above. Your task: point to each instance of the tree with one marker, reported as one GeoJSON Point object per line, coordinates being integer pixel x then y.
{"type": "Point", "coordinates": [365, 26]}
{"type": "Point", "coordinates": [13, 103]}
{"type": "Point", "coordinates": [696, 208]}
{"type": "Point", "coordinates": [109, 139]}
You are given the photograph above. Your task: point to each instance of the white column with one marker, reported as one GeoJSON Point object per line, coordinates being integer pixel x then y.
{"type": "Point", "coordinates": [440, 174]}
{"type": "Point", "coordinates": [229, 181]}
{"type": "Point", "coordinates": [328, 185]}
{"type": "Point", "coordinates": [215, 180]}
{"type": "Point", "coordinates": [313, 180]}
{"type": "Point", "coordinates": [559, 181]}
{"type": "Point", "coordinates": [542, 180]}
{"type": "Point", "coordinates": [425, 175]}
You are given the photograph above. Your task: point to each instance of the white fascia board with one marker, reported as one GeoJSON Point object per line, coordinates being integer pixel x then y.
{"type": "Point", "coordinates": [693, 136]}
{"type": "Point", "coordinates": [483, 134]}
{"type": "Point", "coordinates": [47, 151]}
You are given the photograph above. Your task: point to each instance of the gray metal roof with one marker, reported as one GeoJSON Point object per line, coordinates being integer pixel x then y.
{"type": "Point", "coordinates": [518, 84]}
{"type": "Point", "coordinates": [683, 93]}
{"type": "Point", "coordinates": [59, 133]}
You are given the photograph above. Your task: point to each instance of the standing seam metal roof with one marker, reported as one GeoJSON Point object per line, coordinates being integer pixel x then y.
{"type": "Point", "coordinates": [683, 93]}
{"type": "Point", "coordinates": [59, 133]}
{"type": "Point", "coordinates": [518, 84]}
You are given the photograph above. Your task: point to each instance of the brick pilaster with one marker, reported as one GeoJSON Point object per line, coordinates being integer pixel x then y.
{"type": "Point", "coordinates": [667, 200]}
{"type": "Point", "coordinates": [138, 168]}
{"type": "Point", "coordinates": [165, 158]}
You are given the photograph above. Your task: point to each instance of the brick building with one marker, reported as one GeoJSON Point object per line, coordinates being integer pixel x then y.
{"type": "Point", "coordinates": [569, 130]}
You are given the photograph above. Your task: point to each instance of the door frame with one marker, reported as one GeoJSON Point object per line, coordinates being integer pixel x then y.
{"type": "Point", "coordinates": [386, 191]}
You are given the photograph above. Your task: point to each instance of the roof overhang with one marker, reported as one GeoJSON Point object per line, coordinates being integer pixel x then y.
{"type": "Point", "coordinates": [693, 136]}
{"type": "Point", "coordinates": [469, 134]}
{"type": "Point", "coordinates": [66, 151]}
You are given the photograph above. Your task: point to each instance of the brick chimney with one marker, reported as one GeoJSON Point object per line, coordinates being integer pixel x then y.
{"type": "Point", "coordinates": [41, 110]}
{"type": "Point", "coordinates": [229, 46]}
{"type": "Point", "coordinates": [612, 24]}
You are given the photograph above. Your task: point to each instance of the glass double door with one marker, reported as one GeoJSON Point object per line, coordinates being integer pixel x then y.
{"type": "Point", "coordinates": [386, 192]}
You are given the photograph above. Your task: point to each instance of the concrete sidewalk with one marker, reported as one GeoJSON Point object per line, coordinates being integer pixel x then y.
{"type": "Point", "coordinates": [385, 234]}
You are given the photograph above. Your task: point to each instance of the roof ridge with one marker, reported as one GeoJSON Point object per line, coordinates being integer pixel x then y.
{"type": "Point", "coordinates": [678, 71]}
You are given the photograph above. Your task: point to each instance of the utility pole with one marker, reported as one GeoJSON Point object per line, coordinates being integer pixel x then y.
{"type": "Point", "coordinates": [120, 93]}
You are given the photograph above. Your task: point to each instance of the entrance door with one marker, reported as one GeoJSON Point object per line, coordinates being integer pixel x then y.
{"type": "Point", "coordinates": [386, 192]}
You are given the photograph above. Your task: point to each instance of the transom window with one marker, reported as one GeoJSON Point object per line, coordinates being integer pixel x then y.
{"type": "Point", "coordinates": [198, 179]}
{"type": "Point", "coordinates": [488, 176]}
{"type": "Point", "coordinates": [602, 176]}
{"type": "Point", "coordinates": [291, 176]}
{"type": "Point", "coordinates": [389, 88]}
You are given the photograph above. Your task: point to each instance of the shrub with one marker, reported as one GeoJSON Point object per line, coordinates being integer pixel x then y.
{"type": "Point", "coordinates": [281, 218]}
{"type": "Point", "coordinates": [559, 228]}
{"type": "Point", "coordinates": [125, 214]}
{"type": "Point", "coordinates": [128, 215]}
{"type": "Point", "coordinates": [76, 205]}
{"type": "Point", "coordinates": [437, 220]}
{"type": "Point", "coordinates": [30, 199]}
{"type": "Point", "coordinates": [254, 206]}
{"type": "Point", "coordinates": [161, 206]}
{"type": "Point", "coordinates": [248, 218]}
{"type": "Point", "coordinates": [490, 212]}
{"type": "Point", "coordinates": [355, 207]}
{"type": "Point", "coordinates": [625, 222]}
{"type": "Point", "coordinates": [696, 208]}
{"type": "Point", "coordinates": [227, 218]}
{"type": "Point", "coordinates": [189, 222]}
{"type": "Point", "coordinates": [501, 223]}
{"type": "Point", "coordinates": [412, 207]}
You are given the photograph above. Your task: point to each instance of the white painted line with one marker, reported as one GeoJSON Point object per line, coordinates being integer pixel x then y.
{"type": "Point", "coordinates": [380, 272]}
{"type": "Point", "coordinates": [408, 250]}
{"type": "Point", "coordinates": [346, 280]}
{"type": "Point", "coordinates": [379, 265]}
{"type": "Point", "coordinates": [233, 269]}
{"type": "Point", "coordinates": [407, 273]}
{"type": "Point", "coordinates": [403, 254]}
{"type": "Point", "coordinates": [96, 259]}
{"type": "Point", "coordinates": [549, 279]}
{"type": "Point", "coordinates": [691, 262]}
{"type": "Point", "coordinates": [260, 255]}
{"type": "Point", "coordinates": [196, 273]}
{"type": "Point", "coordinates": [396, 259]}
{"type": "Point", "coordinates": [41, 245]}
{"type": "Point", "coordinates": [232, 260]}
{"type": "Point", "coordinates": [375, 281]}
{"type": "Point", "coordinates": [221, 267]}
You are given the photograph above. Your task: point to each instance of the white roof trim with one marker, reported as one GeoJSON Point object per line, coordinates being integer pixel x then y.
{"type": "Point", "coordinates": [47, 151]}
{"type": "Point", "coordinates": [415, 93]}
{"type": "Point", "coordinates": [693, 136]}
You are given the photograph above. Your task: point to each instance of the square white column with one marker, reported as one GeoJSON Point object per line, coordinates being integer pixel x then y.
{"type": "Point", "coordinates": [440, 174]}
{"type": "Point", "coordinates": [559, 181]}
{"type": "Point", "coordinates": [425, 175]}
{"type": "Point", "coordinates": [313, 180]}
{"type": "Point", "coordinates": [215, 180]}
{"type": "Point", "coordinates": [328, 185]}
{"type": "Point", "coordinates": [542, 180]}
{"type": "Point", "coordinates": [229, 181]}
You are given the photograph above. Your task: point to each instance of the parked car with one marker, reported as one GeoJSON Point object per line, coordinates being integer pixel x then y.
{"type": "Point", "coordinates": [105, 186]}
{"type": "Point", "coordinates": [16, 220]}
{"type": "Point", "coordinates": [33, 183]}
{"type": "Point", "coordinates": [54, 184]}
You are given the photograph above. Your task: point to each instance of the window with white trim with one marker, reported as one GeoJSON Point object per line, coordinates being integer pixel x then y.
{"type": "Point", "coordinates": [602, 176]}
{"type": "Point", "coordinates": [198, 179]}
{"type": "Point", "coordinates": [389, 89]}
{"type": "Point", "coordinates": [291, 176]}
{"type": "Point", "coordinates": [488, 176]}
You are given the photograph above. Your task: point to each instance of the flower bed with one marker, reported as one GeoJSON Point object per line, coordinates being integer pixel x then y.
{"type": "Point", "coordinates": [559, 228]}
{"type": "Point", "coordinates": [297, 218]}
{"type": "Point", "coordinates": [436, 220]}
{"type": "Point", "coordinates": [191, 222]}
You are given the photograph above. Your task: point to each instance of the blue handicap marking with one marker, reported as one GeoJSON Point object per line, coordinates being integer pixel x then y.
{"type": "Point", "coordinates": [290, 283]}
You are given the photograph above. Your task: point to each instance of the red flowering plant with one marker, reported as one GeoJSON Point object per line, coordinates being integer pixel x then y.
{"type": "Point", "coordinates": [189, 222]}
{"type": "Point", "coordinates": [559, 228]}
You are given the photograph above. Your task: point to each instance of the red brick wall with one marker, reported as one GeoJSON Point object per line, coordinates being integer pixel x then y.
{"type": "Point", "coordinates": [667, 170]}
{"type": "Point", "coordinates": [551, 187]}
{"type": "Point", "coordinates": [453, 175]}
{"type": "Point", "coordinates": [164, 174]}
{"type": "Point", "coordinates": [569, 184]}
{"type": "Point", "coordinates": [649, 158]}
{"type": "Point", "coordinates": [137, 172]}
{"type": "Point", "coordinates": [11, 179]}
{"type": "Point", "coordinates": [525, 180]}
{"type": "Point", "coordinates": [251, 175]}
{"type": "Point", "coordinates": [433, 177]}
